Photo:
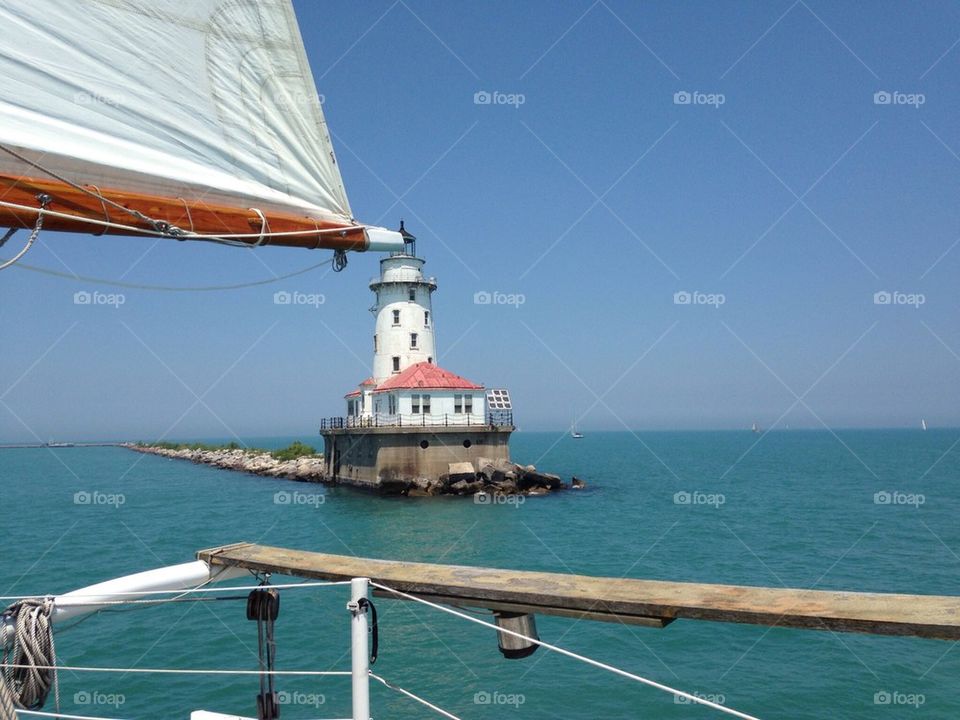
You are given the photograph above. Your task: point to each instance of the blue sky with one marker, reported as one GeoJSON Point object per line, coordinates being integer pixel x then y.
{"type": "Point", "coordinates": [783, 189]}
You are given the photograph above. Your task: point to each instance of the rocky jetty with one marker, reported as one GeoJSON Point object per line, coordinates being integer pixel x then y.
{"type": "Point", "coordinates": [308, 468]}
{"type": "Point", "coordinates": [488, 478]}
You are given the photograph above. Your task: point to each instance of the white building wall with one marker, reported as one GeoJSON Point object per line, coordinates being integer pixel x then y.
{"type": "Point", "coordinates": [441, 402]}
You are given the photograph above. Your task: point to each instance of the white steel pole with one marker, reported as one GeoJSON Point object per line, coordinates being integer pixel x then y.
{"type": "Point", "coordinates": [359, 646]}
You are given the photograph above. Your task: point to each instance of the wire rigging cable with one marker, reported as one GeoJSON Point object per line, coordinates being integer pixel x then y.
{"type": "Point", "coordinates": [589, 661]}
{"type": "Point", "coordinates": [35, 233]}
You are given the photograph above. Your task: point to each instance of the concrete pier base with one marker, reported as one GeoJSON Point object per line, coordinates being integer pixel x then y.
{"type": "Point", "coordinates": [388, 459]}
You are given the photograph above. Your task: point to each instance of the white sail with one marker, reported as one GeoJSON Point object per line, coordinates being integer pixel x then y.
{"type": "Point", "coordinates": [209, 99]}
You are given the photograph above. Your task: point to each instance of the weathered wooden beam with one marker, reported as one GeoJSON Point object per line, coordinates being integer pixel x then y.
{"type": "Point", "coordinates": [618, 599]}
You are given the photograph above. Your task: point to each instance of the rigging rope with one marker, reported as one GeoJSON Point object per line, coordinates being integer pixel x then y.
{"type": "Point", "coordinates": [38, 225]}
{"type": "Point", "coordinates": [410, 695]}
{"type": "Point", "coordinates": [589, 661]}
{"type": "Point", "coordinates": [169, 288]}
{"type": "Point", "coordinates": [64, 599]}
{"type": "Point", "coordinates": [28, 672]}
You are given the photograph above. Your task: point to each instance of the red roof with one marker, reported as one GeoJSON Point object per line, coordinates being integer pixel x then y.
{"type": "Point", "coordinates": [352, 393]}
{"type": "Point", "coordinates": [368, 381]}
{"type": "Point", "coordinates": [427, 375]}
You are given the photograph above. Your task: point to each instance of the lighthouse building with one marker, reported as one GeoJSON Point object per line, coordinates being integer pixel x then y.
{"type": "Point", "coordinates": [412, 419]}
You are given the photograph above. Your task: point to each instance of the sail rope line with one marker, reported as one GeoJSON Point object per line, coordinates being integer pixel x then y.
{"type": "Point", "coordinates": [191, 671]}
{"type": "Point", "coordinates": [168, 288]}
{"type": "Point", "coordinates": [422, 701]}
{"type": "Point", "coordinates": [582, 658]}
{"type": "Point", "coordinates": [188, 591]}
{"type": "Point", "coordinates": [34, 234]}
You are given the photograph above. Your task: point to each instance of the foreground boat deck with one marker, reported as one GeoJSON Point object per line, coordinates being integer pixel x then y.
{"type": "Point", "coordinates": [642, 602]}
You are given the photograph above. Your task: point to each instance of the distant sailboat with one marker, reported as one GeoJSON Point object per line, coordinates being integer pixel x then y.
{"type": "Point", "coordinates": [574, 433]}
{"type": "Point", "coordinates": [923, 424]}
{"type": "Point", "coordinates": [755, 428]}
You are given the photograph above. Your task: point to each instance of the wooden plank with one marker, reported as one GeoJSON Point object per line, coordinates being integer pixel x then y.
{"type": "Point", "coordinates": [929, 616]}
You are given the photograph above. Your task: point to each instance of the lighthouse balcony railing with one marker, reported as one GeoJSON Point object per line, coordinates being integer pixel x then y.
{"type": "Point", "coordinates": [402, 275]}
{"type": "Point", "coordinates": [494, 419]}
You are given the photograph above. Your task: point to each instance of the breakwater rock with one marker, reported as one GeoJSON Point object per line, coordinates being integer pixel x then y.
{"type": "Point", "coordinates": [308, 468]}
{"type": "Point", "coordinates": [486, 478]}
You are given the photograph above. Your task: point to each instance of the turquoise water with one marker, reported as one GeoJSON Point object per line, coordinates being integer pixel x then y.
{"type": "Point", "coordinates": [797, 510]}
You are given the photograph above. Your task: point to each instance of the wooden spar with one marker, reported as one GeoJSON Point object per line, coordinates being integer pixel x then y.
{"type": "Point", "coordinates": [646, 602]}
{"type": "Point", "coordinates": [202, 217]}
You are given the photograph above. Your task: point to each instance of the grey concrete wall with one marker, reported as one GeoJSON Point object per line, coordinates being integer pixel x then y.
{"type": "Point", "coordinates": [381, 456]}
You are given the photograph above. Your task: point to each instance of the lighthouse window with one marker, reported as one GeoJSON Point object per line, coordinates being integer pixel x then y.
{"type": "Point", "coordinates": [415, 404]}
{"type": "Point", "coordinates": [392, 404]}
{"type": "Point", "coordinates": [396, 363]}
{"type": "Point", "coordinates": [426, 318]}
{"type": "Point", "coordinates": [468, 404]}
{"type": "Point", "coordinates": [458, 404]}
{"type": "Point", "coordinates": [374, 343]}
{"type": "Point", "coordinates": [412, 294]}
{"type": "Point", "coordinates": [396, 317]}
{"type": "Point", "coordinates": [413, 340]}
{"type": "Point", "coordinates": [426, 404]}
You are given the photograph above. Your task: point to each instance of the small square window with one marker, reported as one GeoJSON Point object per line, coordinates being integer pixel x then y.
{"type": "Point", "coordinates": [396, 317]}
{"type": "Point", "coordinates": [396, 363]}
{"type": "Point", "coordinates": [412, 294]}
{"type": "Point", "coordinates": [413, 341]}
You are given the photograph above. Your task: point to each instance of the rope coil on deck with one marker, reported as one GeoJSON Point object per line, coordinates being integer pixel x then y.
{"type": "Point", "coordinates": [28, 672]}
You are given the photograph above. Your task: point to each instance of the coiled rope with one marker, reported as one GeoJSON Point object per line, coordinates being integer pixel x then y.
{"type": "Point", "coordinates": [28, 672]}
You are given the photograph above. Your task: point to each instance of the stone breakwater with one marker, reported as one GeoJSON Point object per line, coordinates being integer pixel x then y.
{"type": "Point", "coordinates": [308, 468]}
{"type": "Point", "coordinates": [488, 477]}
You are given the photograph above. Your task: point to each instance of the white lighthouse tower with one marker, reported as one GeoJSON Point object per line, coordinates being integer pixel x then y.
{"type": "Point", "coordinates": [413, 420]}
{"type": "Point", "coordinates": [404, 333]}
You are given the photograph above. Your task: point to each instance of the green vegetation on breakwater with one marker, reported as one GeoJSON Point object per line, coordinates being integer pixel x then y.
{"type": "Point", "coordinates": [293, 451]}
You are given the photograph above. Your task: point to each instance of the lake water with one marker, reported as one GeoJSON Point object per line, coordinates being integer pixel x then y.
{"type": "Point", "coordinates": [796, 509]}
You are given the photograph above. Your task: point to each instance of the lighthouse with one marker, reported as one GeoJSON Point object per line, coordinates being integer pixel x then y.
{"type": "Point", "coordinates": [404, 334]}
{"type": "Point", "coordinates": [412, 420]}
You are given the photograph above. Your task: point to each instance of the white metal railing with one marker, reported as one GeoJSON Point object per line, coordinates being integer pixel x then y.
{"type": "Point", "coordinates": [421, 419]}
{"type": "Point", "coordinates": [406, 276]}
{"type": "Point", "coordinates": [359, 607]}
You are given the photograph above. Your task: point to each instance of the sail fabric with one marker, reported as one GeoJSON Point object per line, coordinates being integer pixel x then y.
{"type": "Point", "coordinates": [193, 99]}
